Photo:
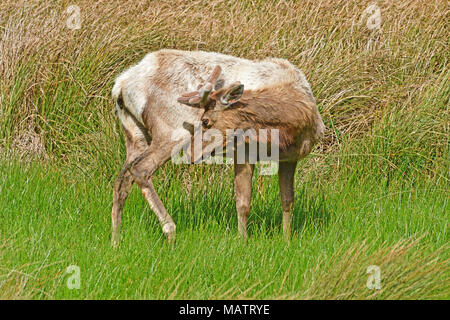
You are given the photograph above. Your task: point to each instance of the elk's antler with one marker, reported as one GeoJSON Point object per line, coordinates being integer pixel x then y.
{"type": "Point", "coordinates": [200, 97]}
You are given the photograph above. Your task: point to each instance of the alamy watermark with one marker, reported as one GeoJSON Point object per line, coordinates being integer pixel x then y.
{"type": "Point", "coordinates": [373, 15]}
{"type": "Point", "coordinates": [374, 279]}
{"type": "Point", "coordinates": [372, 18]}
{"type": "Point", "coordinates": [74, 279]}
{"type": "Point", "coordinates": [73, 22]}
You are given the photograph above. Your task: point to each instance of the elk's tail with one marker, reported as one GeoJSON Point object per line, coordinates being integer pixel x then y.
{"type": "Point", "coordinates": [117, 95]}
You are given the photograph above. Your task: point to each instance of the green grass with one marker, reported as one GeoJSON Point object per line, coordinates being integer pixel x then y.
{"type": "Point", "coordinates": [51, 220]}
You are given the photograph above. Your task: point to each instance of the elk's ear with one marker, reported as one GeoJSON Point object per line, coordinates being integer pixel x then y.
{"type": "Point", "coordinates": [232, 94]}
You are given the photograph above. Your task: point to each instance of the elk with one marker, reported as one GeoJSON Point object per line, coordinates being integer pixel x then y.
{"type": "Point", "coordinates": [171, 90]}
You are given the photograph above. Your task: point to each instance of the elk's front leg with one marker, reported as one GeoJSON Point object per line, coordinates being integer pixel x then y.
{"type": "Point", "coordinates": [286, 173]}
{"type": "Point", "coordinates": [243, 189]}
{"type": "Point", "coordinates": [142, 170]}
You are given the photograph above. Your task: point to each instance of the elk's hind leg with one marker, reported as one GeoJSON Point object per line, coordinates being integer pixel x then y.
{"type": "Point", "coordinates": [142, 170]}
{"type": "Point", "coordinates": [286, 173]}
{"type": "Point", "coordinates": [135, 144]}
{"type": "Point", "coordinates": [122, 187]}
{"type": "Point", "coordinates": [243, 189]}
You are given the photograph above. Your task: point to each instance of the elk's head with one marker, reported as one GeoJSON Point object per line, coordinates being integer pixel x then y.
{"type": "Point", "coordinates": [213, 102]}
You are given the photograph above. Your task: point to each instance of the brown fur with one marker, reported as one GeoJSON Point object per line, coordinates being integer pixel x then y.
{"type": "Point", "coordinates": [281, 107]}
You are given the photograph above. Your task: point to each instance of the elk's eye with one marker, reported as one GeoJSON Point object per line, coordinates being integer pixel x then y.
{"type": "Point", "coordinates": [205, 122]}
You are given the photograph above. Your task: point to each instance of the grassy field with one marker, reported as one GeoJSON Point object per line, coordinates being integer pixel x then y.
{"type": "Point", "coordinates": [51, 220]}
{"type": "Point", "coordinates": [375, 192]}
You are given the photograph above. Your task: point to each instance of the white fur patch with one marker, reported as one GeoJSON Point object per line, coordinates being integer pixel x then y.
{"type": "Point", "coordinates": [133, 83]}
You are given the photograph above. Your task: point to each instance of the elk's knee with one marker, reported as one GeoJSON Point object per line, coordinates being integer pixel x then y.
{"type": "Point", "coordinates": [242, 207]}
{"type": "Point", "coordinates": [121, 186]}
{"type": "Point", "coordinates": [287, 203]}
{"type": "Point", "coordinates": [141, 175]}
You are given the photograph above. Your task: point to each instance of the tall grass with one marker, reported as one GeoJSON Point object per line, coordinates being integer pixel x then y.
{"type": "Point", "coordinates": [55, 82]}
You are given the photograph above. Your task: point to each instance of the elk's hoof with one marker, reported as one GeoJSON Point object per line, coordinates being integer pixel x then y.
{"type": "Point", "coordinates": [115, 241]}
{"type": "Point", "coordinates": [169, 229]}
